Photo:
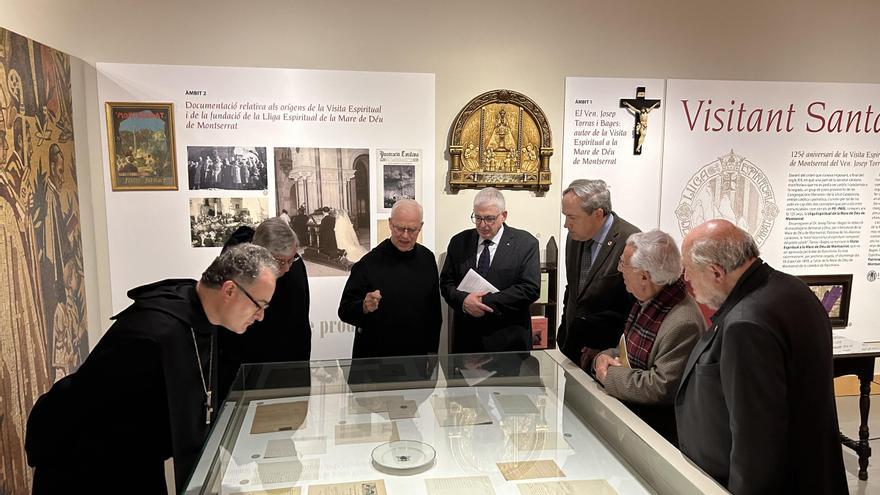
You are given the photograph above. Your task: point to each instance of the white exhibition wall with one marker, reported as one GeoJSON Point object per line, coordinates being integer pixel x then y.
{"type": "Point", "coordinates": [776, 158]}
{"type": "Point", "coordinates": [795, 164]}
{"type": "Point", "coordinates": [470, 47]}
{"type": "Point", "coordinates": [149, 232]}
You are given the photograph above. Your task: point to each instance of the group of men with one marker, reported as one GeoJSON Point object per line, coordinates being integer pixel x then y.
{"type": "Point", "coordinates": [393, 293]}
{"type": "Point", "coordinates": [235, 172]}
{"type": "Point", "coordinates": [749, 399]}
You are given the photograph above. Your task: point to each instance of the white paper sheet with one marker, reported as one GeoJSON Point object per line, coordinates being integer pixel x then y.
{"type": "Point", "coordinates": [473, 282]}
{"type": "Point", "coordinates": [471, 485]}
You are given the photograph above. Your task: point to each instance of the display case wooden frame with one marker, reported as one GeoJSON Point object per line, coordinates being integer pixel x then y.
{"type": "Point", "coordinates": [834, 292]}
{"type": "Point", "coordinates": [501, 139]}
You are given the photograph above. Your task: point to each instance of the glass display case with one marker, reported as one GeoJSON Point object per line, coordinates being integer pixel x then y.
{"type": "Point", "coordinates": [469, 424]}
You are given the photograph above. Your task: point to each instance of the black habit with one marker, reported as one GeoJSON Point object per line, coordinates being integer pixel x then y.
{"type": "Point", "coordinates": [135, 401]}
{"type": "Point", "coordinates": [283, 335]}
{"type": "Point", "coordinates": [408, 319]}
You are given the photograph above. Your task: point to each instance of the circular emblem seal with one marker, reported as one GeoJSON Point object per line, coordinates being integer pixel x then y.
{"type": "Point", "coordinates": [732, 188]}
{"type": "Point", "coordinates": [871, 275]}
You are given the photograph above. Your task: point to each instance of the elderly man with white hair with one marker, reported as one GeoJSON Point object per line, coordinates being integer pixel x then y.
{"type": "Point", "coordinates": [392, 295]}
{"type": "Point", "coordinates": [662, 328]}
{"type": "Point", "coordinates": [755, 408]}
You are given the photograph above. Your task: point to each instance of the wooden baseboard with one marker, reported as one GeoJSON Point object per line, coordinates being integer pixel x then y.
{"type": "Point", "coordinates": [849, 385]}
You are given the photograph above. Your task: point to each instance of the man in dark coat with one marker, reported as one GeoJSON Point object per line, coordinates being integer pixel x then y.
{"type": "Point", "coordinates": [284, 334]}
{"type": "Point", "coordinates": [508, 259]}
{"type": "Point", "coordinates": [755, 408]}
{"type": "Point", "coordinates": [300, 224]}
{"type": "Point", "coordinates": [392, 295]}
{"type": "Point", "coordinates": [327, 234]}
{"type": "Point", "coordinates": [146, 391]}
{"type": "Point", "coordinates": [596, 303]}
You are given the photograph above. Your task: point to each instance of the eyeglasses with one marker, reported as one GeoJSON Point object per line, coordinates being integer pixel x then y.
{"type": "Point", "coordinates": [487, 220]}
{"type": "Point", "coordinates": [283, 263]}
{"type": "Point", "coordinates": [406, 230]}
{"type": "Point", "coordinates": [260, 307]}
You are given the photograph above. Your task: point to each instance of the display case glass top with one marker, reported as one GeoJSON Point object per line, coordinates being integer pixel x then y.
{"type": "Point", "coordinates": [501, 423]}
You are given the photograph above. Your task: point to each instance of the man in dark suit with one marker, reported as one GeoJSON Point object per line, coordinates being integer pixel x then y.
{"type": "Point", "coordinates": [327, 233]}
{"type": "Point", "coordinates": [300, 224]}
{"type": "Point", "coordinates": [508, 259]}
{"type": "Point", "coordinates": [755, 408]}
{"type": "Point", "coordinates": [596, 302]}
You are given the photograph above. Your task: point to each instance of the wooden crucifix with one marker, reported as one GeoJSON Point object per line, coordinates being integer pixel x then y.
{"type": "Point", "coordinates": [640, 107]}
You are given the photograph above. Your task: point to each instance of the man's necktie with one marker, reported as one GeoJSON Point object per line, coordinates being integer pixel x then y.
{"type": "Point", "coordinates": [483, 262]}
{"type": "Point", "coordinates": [586, 264]}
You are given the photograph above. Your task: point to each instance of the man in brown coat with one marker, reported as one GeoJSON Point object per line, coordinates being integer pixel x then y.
{"type": "Point", "coordinates": [661, 330]}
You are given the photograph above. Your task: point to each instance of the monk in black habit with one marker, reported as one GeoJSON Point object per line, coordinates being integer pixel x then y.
{"type": "Point", "coordinates": [284, 334]}
{"type": "Point", "coordinates": [392, 295]}
{"type": "Point", "coordinates": [147, 390]}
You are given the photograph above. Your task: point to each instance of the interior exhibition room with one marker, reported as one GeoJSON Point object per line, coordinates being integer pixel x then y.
{"type": "Point", "coordinates": [418, 247]}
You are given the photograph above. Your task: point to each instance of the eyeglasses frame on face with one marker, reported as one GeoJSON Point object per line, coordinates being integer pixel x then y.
{"type": "Point", "coordinates": [260, 307]}
{"type": "Point", "coordinates": [406, 230]}
{"type": "Point", "coordinates": [476, 219]}
{"type": "Point", "coordinates": [281, 263]}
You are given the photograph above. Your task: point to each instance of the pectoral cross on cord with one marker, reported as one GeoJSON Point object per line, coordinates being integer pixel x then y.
{"type": "Point", "coordinates": [208, 392]}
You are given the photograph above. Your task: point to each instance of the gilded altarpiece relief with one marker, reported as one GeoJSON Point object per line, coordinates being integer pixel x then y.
{"type": "Point", "coordinates": [501, 139]}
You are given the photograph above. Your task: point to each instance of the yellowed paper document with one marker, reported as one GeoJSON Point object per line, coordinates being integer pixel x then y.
{"type": "Point", "coordinates": [289, 471]}
{"type": "Point", "coordinates": [286, 416]}
{"type": "Point", "coordinates": [469, 485]}
{"type": "Point", "coordinates": [621, 348]}
{"type": "Point", "coordinates": [460, 411]}
{"type": "Point", "coordinates": [406, 409]}
{"type": "Point", "coordinates": [294, 490]}
{"type": "Point", "coordinates": [366, 433]}
{"type": "Point", "coordinates": [283, 447]}
{"type": "Point", "coordinates": [544, 440]}
{"type": "Point", "coordinates": [372, 404]}
{"type": "Point", "coordinates": [516, 404]}
{"type": "Point", "coordinates": [527, 470]}
{"type": "Point", "coordinates": [578, 487]}
{"type": "Point", "coordinates": [373, 487]}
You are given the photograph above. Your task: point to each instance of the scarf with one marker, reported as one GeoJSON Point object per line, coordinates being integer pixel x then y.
{"type": "Point", "coordinates": [642, 327]}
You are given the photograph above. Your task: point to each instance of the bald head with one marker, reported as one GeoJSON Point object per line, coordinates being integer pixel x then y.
{"type": "Point", "coordinates": [719, 242]}
{"type": "Point", "coordinates": [405, 223]}
{"type": "Point", "coordinates": [406, 207]}
{"type": "Point", "coordinates": [715, 255]}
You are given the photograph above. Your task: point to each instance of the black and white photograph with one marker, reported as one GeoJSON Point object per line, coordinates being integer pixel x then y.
{"type": "Point", "coordinates": [398, 170]}
{"type": "Point", "coordinates": [212, 220]}
{"type": "Point", "coordinates": [227, 167]}
{"type": "Point", "coordinates": [399, 182]}
{"type": "Point", "coordinates": [326, 194]}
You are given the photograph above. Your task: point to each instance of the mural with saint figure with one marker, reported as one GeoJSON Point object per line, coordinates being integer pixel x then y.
{"type": "Point", "coordinates": [42, 299]}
